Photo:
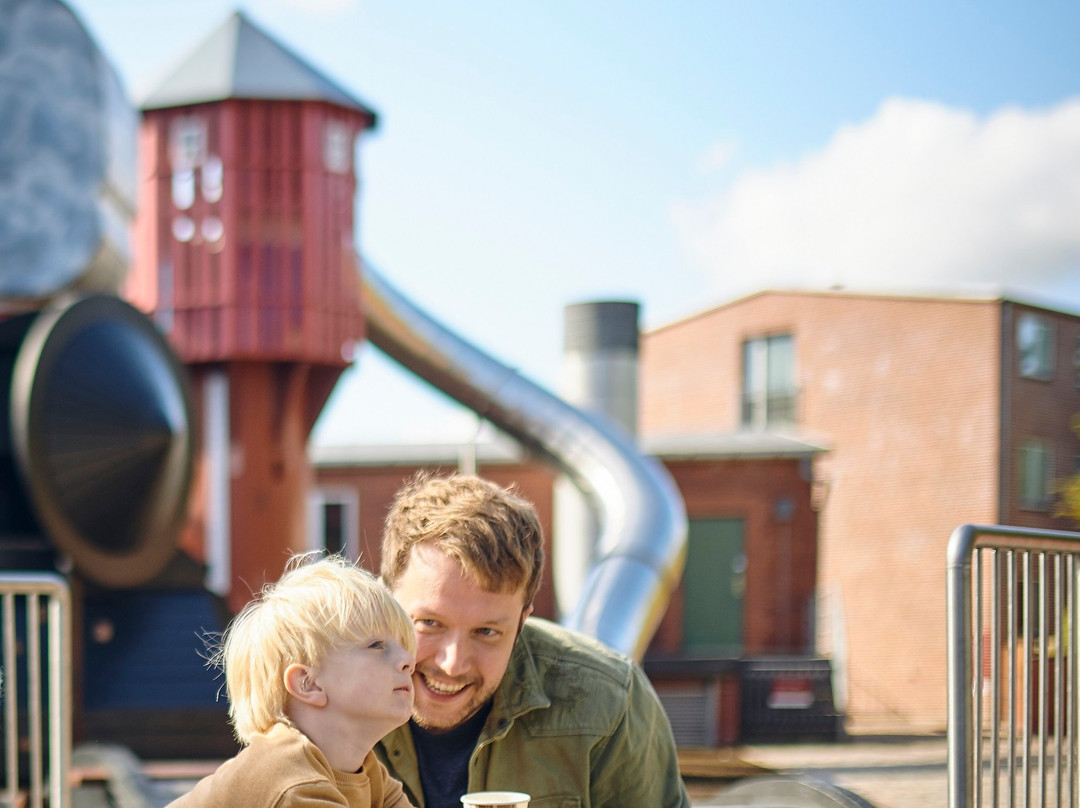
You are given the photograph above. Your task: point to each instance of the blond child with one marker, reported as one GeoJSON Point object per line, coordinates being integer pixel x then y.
{"type": "Point", "coordinates": [317, 669]}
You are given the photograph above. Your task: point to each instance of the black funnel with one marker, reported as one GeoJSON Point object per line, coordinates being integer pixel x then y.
{"type": "Point", "coordinates": [101, 424]}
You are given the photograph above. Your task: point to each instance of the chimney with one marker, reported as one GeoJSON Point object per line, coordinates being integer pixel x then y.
{"type": "Point", "coordinates": [599, 377]}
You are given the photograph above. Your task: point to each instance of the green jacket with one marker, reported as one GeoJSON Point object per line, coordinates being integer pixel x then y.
{"type": "Point", "coordinates": [572, 724]}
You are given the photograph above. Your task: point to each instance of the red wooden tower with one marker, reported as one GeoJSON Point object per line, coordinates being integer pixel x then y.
{"type": "Point", "coordinates": [245, 255]}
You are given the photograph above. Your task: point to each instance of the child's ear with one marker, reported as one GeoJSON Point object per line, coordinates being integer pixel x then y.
{"type": "Point", "coordinates": [302, 686]}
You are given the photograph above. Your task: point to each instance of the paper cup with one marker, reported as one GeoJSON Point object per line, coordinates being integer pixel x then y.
{"type": "Point", "coordinates": [496, 799]}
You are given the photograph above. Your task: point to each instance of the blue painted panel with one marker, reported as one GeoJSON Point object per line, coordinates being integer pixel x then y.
{"type": "Point", "coordinates": [146, 650]}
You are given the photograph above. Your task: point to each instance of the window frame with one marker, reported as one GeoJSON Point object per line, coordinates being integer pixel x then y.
{"type": "Point", "coordinates": [1076, 364]}
{"type": "Point", "coordinates": [1043, 339]}
{"type": "Point", "coordinates": [761, 405]}
{"type": "Point", "coordinates": [188, 135]}
{"type": "Point", "coordinates": [349, 500]}
{"type": "Point", "coordinates": [1026, 497]}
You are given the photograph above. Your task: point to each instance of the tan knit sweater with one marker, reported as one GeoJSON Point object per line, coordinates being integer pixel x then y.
{"type": "Point", "coordinates": [283, 769]}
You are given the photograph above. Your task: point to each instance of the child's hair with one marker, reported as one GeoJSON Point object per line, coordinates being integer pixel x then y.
{"type": "Point", "coordinates": [319, 605]}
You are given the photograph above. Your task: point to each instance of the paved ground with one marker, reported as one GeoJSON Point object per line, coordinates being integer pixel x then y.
{"type": "Point", "coordinates": [890, 771]}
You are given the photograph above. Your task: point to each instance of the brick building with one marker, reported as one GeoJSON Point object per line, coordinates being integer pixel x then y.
{"type": "Point", "coordinates": [936, 411]}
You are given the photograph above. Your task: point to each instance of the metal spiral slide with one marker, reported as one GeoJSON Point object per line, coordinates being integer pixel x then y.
{"type": "Point", "coordinates": [642, 543]}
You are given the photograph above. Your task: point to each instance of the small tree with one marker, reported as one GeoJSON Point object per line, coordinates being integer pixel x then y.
{"type": "Point", "coordinates": [1069, 491]}
{"type": "Point", "coordinates": [1069, 498]}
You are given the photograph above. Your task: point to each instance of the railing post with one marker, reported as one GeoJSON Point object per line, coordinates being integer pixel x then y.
{"type": "Point", "coordinates": [29, 677]}
{"type": "Point", "coordinates": [958, 644]}
{"type": "Point", "coordinates": [1037, 600]}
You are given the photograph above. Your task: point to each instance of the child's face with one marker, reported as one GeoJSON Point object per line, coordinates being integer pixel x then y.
{"type": "Point", "coordinates": [369, 682]}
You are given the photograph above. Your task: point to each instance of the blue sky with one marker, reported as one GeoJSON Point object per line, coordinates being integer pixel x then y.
{"type": "Point", "coordinates": [532, 155]}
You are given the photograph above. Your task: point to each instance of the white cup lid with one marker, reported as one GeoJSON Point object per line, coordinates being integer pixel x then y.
{"type": "Point", "coordinates": [496, 799]}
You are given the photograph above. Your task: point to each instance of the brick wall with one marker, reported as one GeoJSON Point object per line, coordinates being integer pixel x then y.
{"type": "Point", "coordinates": [904, 392]}
{"type": "Point", "coordinates": [1042, 409]}
{"type": "Point", "coordinates": [781, 553]}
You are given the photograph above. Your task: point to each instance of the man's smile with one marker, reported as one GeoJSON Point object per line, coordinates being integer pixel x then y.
{"type": "Point", "coordinates": [442, 688]}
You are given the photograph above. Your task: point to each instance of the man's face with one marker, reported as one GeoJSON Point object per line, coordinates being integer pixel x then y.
{"type": "Point", "coordinates": [464, 636]}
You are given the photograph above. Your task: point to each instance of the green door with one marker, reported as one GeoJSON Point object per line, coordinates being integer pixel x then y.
{"type": "Point", "coordinates": [713, 585]}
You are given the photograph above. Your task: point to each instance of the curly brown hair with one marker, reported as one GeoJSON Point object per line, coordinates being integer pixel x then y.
{"type": "Point", "coordinates": [492, 532]}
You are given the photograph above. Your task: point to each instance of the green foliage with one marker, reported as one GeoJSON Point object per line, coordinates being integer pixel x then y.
{"type": "Point", "coordinates": [1068, 504]}
{"type": "Point", "coordinates": [1069, 498]}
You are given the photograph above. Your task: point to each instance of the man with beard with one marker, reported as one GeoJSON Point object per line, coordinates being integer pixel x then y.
{"type": "Point", "coordinates": [503, 702]}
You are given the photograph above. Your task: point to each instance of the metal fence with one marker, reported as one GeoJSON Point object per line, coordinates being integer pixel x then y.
{"type": "Point", "coordinates": [35, 661]}
{"type": "Point", "coordinates": [1012, 675]}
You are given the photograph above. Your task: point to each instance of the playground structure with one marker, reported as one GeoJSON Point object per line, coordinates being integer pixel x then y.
{"type": "Point", "coordinates": [98, 461]}
{"type": "Point", "coordinates": [246, 255]}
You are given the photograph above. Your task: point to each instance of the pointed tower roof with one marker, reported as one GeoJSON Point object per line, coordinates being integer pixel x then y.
{"type": "Point", "coordinates": [240, 60]}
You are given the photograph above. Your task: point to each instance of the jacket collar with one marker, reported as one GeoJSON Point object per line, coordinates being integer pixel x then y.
{"type": "Point", "coordinates": [521, 690]}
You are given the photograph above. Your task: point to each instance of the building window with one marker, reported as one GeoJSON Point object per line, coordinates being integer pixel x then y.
{"type": "Point", "coordinates": [333, 527]}
{"type": "Point", "coordinates": [336, 147]}
{"type": "Point", "coordinates": [1034, 464]}
{"type": "Point", "coordinates": [1035, 344]}
{"type": "Point", "coordinates": [333, 521]}
{"type": "Point", "coordinates": [768, 390]}
{"type": "Point", "coordinates": [187, 142]}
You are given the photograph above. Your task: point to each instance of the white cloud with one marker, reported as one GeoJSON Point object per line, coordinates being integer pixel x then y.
{"type": "Point", "coordinates": [918, 194]}
{"type": "Point", "coordinates": [719, 156]}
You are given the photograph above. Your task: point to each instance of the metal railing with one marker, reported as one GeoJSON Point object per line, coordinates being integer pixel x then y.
{"type": "Point", "coordinates": [1012, 674]}
{"type": "Point", "coordinates": [35, 628]}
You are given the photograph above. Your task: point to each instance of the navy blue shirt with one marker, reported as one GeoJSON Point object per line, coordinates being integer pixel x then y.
{"type": "Point", "coordinates": [443, 759]}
